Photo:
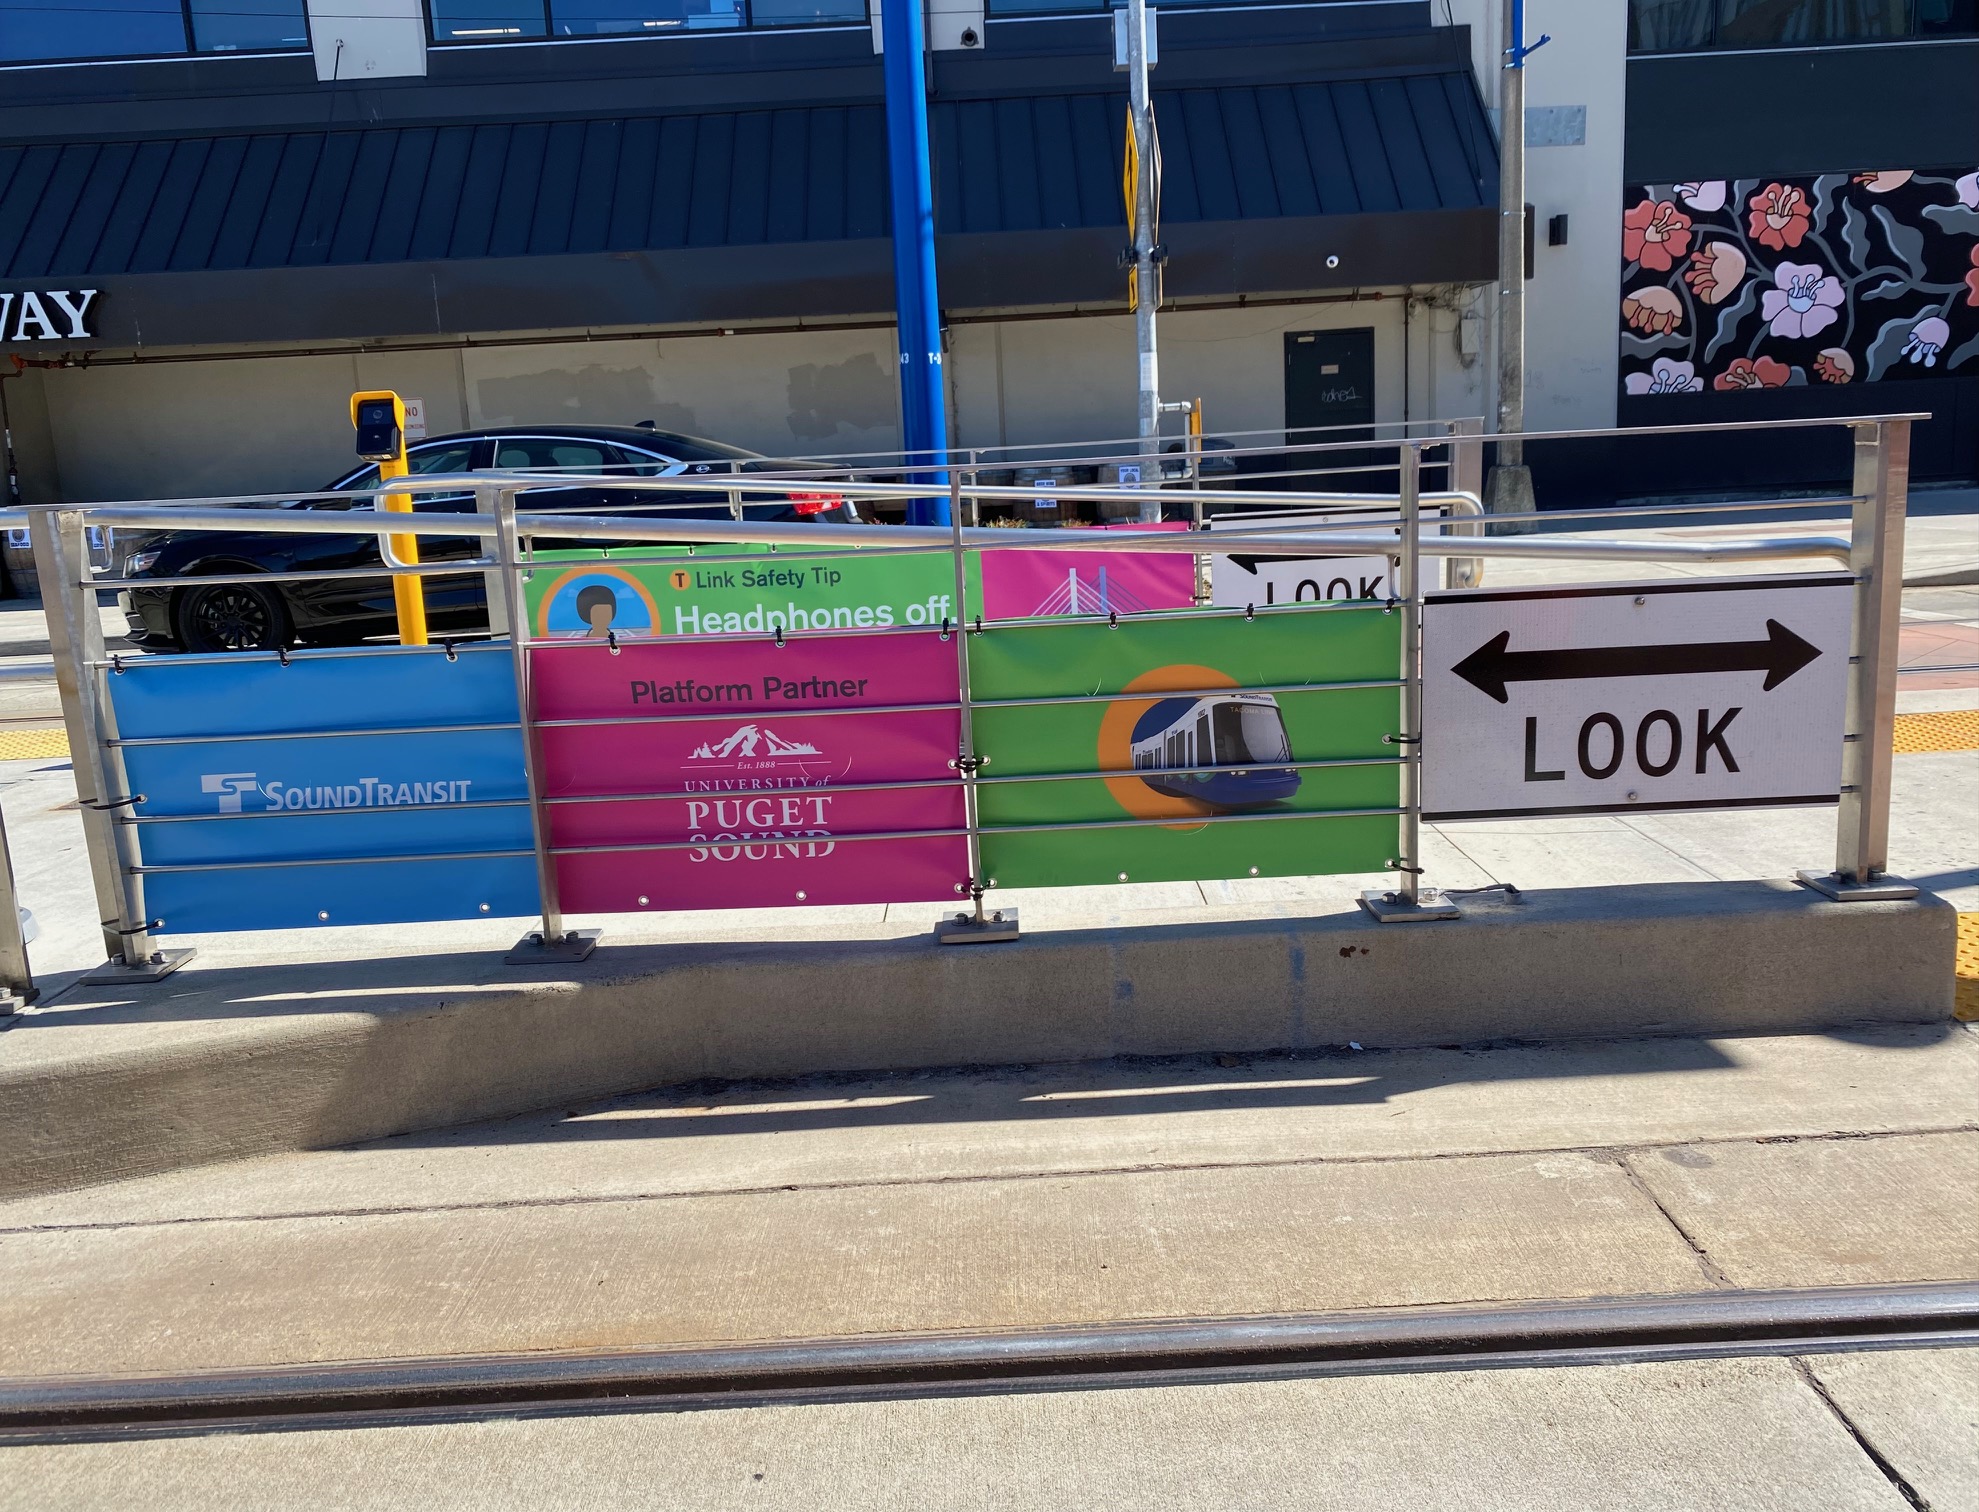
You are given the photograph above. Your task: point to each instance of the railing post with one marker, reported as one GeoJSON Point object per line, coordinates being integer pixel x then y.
{"type": "Point", "coordinates": [1465, 474]}
{"type": "Point", "coordinates": [976, 927]}
{"type": "Point", "coordinates": [17, 987]}
{"type": "Point", "coordinates": [1405, 900]}
{"type": "Point", "coordinates": [553, 945]}
{"type": "Point", "coordinates": [75, 635]}
{"type": "Point", "coordinates": [1862, 826]}
{"type": "Point", "coordinates": [487, 502]}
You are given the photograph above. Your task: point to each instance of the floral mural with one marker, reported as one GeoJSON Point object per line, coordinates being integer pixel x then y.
{"type": "Point", "coordinates": [1772, 283]}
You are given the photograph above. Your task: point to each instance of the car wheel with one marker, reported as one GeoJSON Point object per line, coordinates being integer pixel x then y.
{"type": "Point", "coordinates": [232, 617]}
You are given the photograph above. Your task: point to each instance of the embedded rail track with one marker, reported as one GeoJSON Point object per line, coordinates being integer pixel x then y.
{"type": "Point", "coordinates": [1607, 1331]}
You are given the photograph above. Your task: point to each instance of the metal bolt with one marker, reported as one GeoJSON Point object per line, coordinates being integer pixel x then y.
{"type": "Point", "coordinates": [800, 897]}
{"type": "Point", "coordinates": [1633, 795]}
{"type": "Point", "coordinates": [1640, 602]}
{"type": "Point", "coordinates": [322, 915]}
{"type": "Point", "coordinates": [484, 908]}
{"type": "Point", "coordinates": [643, 900]}
{"type": "Point", "coordinates": [1253, 871]}
{"type": "Point", "coordinates": [1123, 876]}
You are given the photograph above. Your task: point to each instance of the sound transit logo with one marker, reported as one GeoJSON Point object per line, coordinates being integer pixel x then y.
{"type": "Point", "coordinates": [231, 789]}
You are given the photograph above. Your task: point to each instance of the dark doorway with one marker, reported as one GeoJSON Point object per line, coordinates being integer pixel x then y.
{"type": "Point", "coordinates": [1329, 397]}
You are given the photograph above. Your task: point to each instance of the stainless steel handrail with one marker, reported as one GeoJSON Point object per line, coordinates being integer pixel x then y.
{"type": "Point", "coordinates": [1872, 556]}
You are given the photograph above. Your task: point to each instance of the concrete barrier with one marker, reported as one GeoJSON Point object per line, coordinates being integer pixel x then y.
{"type": "Point", "coordinates": [229, 1062]}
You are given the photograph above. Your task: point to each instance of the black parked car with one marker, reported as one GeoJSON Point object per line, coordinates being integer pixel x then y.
{"type": "Point", "coordinates": [180, 614]}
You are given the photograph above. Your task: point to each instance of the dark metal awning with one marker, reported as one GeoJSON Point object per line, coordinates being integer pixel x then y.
{"type": "Point", "coordinates": [684, 218]}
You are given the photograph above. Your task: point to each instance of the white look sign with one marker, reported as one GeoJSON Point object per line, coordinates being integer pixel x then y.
{"type": "Point", "coordinates": [1238, 580]}
{"type": "Point", "coordinates": [1671, 695]}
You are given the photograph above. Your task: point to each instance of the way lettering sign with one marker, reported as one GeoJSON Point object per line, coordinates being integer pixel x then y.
{"type": "Point", "coordinates": [1238, 580]}
{"type": "Point", "coordinates": [1693, 694]}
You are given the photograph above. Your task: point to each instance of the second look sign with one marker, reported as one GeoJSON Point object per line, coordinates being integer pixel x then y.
{"type": "Point", "coordinates": [1689, 694]}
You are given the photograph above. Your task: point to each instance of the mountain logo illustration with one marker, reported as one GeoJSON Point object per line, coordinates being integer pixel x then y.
{"type": "Point", "coordinates": [746, 740]}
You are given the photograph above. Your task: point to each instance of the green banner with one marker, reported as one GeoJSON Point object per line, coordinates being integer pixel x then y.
{"type": "Point", "coordinates": [1217, 768]}
{"type": "Point", "coordinates": [577, 594]}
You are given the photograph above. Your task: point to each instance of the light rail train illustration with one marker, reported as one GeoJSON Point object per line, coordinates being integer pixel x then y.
{"type": "Point", "coordinates": [1243, 733]}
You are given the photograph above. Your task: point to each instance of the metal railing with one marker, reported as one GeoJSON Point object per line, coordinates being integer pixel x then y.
{"type": "Point", "coordinates": [113, 829]}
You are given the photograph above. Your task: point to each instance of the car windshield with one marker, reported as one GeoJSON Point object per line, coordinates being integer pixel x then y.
{"type": "Point", "coordinates": [1250, 732]}
{"type": "Point", "coordinates": [426, 460]}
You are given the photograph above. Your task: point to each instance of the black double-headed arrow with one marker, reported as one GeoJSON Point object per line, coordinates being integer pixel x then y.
{"type": "Point", "coordinates": [1250, 563]}
{"type": "Point", "coordinates": [1492, 665]}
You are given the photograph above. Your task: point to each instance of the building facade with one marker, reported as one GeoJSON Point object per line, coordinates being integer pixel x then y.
{"type": "Point", "coordinates": [218, 219]}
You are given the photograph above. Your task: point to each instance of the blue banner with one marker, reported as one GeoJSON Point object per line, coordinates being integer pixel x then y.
{"type": "Point", "coordinates": [321, 897]}
{"type": "Point", "coordinates": [261, 768]}
{"type": "Point", "coordinates": [253, 693]}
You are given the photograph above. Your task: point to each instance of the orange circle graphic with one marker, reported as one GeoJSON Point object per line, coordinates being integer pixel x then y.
{"type": "Point", "coordinates": [618, 576]}
{"type": "Point", "coordinates": [1116, 742]}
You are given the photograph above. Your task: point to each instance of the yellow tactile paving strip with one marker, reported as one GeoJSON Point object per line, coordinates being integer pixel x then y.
{"type": "Point", "coordinates": [1966, 1004]}
{"type": "Point", "coordinates": [1954, 730]}
{"type": "Point", "coordinates": [22, 745]}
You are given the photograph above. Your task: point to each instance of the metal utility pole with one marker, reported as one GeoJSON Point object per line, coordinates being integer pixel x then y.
{"type": "Point", "coordinates": [1143, 166]}
{"type": "Point", "coordinates": [1509, 488]}
{"type": "Point", "coordinates": [923, 404]}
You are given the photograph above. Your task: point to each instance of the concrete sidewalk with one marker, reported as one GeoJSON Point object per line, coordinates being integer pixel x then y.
{"type": "Point", "coordinates": [1032, 1197]}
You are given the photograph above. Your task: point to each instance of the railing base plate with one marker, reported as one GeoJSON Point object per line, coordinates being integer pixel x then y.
{"type": "Point", "coordinates": [1833, 885]}
{"type": "Point", "coordinates": [1393, 908]}
{"type": "Point", "coordinates": [963, 929]}
{"type": "Point", "coordinates": [162, 964]}
{"type": "Point", "coordinates": [532, 950]}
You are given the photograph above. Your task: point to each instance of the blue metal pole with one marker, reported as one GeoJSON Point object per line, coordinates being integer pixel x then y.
{"type": "Point", "coordinates": [923, 409]}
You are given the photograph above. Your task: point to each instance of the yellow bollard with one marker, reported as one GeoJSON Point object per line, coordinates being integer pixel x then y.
{"type": "Point", "coordinates": [379, 416]}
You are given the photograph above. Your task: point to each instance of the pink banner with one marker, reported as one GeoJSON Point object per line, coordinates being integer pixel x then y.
{"type": "Point", "coordinates": [755, 746]}
{"type": "Point", "coordinates": [743, 675]}
{"type": "Point", "coordinates": [1034, 584]}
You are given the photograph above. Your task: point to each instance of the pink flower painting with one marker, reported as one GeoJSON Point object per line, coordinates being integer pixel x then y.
{"type": "Point", "coordinates": [1715, 271]}
{"type": "Point", "coordinates": [1780, 216]}
{"type": "Point", "coordinates": [1842, 279]}
{"type": "Point", "coordinates": [1655, 233]}
{"type": "Point", "coordinates": [1706, 196]}
{"type": "Point", "coordinates": [1748, 373]}
{"type": "Point", "coordinates": [1927, 339]}
{"type": "Point", "coordinates": [1654, 309]}
{"type": "Point", "coordinates": [1802, 302]}
{"type": "Point", "coordinates": [1665, 377]}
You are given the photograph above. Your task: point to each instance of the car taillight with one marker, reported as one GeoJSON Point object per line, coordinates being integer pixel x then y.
{"type": "Point", "coordinates": [807, 504]}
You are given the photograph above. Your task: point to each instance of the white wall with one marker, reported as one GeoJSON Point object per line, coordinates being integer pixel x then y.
{"type": "Point", "coordinates": [1572, 301]}
{"type": "Point", "coordinates": [1073, 379]}
{"type": "Point", "coordinates": [368, 39]}
{"type": "Point", "coordinates": [269, 424]}
{"type": "Point", "coordinates": [815, 392]}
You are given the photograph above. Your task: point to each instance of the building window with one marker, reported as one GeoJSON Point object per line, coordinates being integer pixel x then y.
{"type": "Point", "coordinates": [488, 20]}
{"type": "Point", "coordinates": [1694, 25]}
{"type": "Point", "coordinates": [248, 25]}
{"type": "Point", "coordinates": [61, 30]}
{"type": "Point", "coordinates": [593, 18]}
{"type": "Point", "coordinates": [505, 20]}
{"type": "Point", "coordinates": [1100, 7]}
